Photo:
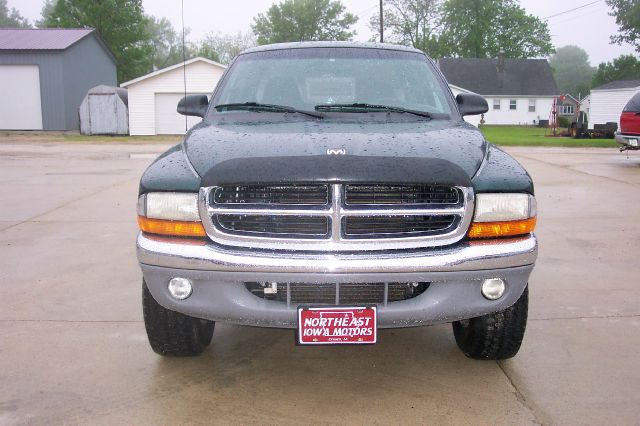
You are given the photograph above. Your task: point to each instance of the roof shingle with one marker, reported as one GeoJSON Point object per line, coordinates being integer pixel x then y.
{"type": "Point", "coordinates": [521, 77]}
{"type": "Point", "coordinates": [619, 84]}
{"type": "Point", "coordinates": [41, 38]}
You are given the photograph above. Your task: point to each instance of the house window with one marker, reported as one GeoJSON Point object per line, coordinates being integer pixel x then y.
{"type": "Point", "coordinates": [532, 105]}
{"type": "Point", "coordinates": [565, 109]}
{"type": "Point", "coordinates": [496, 104]}
{"type": "Point", "coordinates": [513, 104]}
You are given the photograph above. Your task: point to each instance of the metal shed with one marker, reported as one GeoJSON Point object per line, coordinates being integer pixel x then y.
{"type": "Point", "coordinates": [153, 98]}
{"type": "Point", "coordinates": [104, 111]}
{"type": "Point", "coordinates": [46, 72]}
{"type": "Point", "coordinates": [608, 101]}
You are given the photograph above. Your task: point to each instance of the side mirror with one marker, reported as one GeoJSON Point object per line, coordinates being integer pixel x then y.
{"type": "Point", "coordinates": [471, 104]}
{"type": "Point", "coordinates": [195, 105]}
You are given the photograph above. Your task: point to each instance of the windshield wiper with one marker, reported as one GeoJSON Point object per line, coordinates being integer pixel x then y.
{"type": "Point", "coordinates": [370, 107]}
{"type": "Point", "coordinates": [266, 107]}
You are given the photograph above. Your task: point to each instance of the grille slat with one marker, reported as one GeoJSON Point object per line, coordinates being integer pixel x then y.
{"type": "Point", "coordinates": [298, 226]}
{"type": "Point", "coordinates": [272, 194]}
{"type": "Point", "coordinates": [400, 194]}
{"type": "Point", "coordinates": [395, 226]}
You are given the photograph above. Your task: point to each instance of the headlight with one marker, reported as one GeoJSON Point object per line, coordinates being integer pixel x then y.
{"type": "Point", "coordinates": [170, 213]}
{"type": "Point", "coordinates": [504, 207]}
{"type": "Point", "coordinates": [503, 215]}
{"type": "Point", "coordinates": [172, 206]}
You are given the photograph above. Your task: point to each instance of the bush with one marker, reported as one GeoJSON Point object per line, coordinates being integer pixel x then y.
{"type": "Point", "coordinates": [564, 122]}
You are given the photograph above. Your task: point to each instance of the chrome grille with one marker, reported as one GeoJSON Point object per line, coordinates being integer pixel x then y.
{"type": "Point", "coordinates": [317, 216]}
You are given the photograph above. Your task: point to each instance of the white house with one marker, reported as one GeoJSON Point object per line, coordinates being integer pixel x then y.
{"type": "Point", "coordinates": [519, 91]}
{"type": "Point", "coordinates": [606, 102]}
{"type": "Point", "coordinates": [153, 98]}
{"type": "Point", "coordinates": [585, 104]}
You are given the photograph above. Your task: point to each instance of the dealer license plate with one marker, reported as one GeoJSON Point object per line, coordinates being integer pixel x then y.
{"type": "Point", "coordinates": [337, 325]}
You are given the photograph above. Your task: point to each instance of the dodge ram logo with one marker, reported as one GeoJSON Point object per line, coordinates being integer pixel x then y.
{"type": "Point", "coordinates": [336, 151]}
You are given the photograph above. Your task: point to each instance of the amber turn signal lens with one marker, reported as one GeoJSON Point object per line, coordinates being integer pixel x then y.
{"type": "Point", "coordinates": [502, 229]}
{"type": "Point", "coordinates": [171, 227]}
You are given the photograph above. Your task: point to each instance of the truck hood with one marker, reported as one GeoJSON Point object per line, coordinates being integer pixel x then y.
{"type": "Point", "coordinates": [438, 151]}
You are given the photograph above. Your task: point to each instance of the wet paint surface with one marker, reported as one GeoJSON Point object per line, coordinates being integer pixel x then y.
{"type": "Point", "coordinates": [208, 145]}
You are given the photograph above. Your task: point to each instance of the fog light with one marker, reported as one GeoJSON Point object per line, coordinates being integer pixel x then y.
{"type": "Point", "coordinates": [493, 288]}
{"type": "Point", "coordinates": [180, 288]}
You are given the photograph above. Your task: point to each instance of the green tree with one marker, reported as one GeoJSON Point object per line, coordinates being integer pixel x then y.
{"type": "Point", "coordinates": [627, 14]}
{"type": "Point", "coordinates": [207, 51]}
{"type": "Point", "coordinates": [121, 23]}
{"type": "Point", "coordinates": [45, 13]}
{"type": "Point", "coordinates": [481, 28]}
{"type": "Point", "coordinates": [300, 20]}
{"type": "Point", "coordinates": [166, 43]}
{"type": "Point", "coordinates": [625, 67]}
{"type": "Point", "coordinates": [11, 18]}
{"type": "Point", "coordinates": [572, 70]}
{"type": "Point", "coordinates": [411, 22]}
{"type": "Point", "coordinates": [225, 46]}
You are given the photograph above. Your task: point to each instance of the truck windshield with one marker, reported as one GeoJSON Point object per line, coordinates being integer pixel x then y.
{"type": "Point", "coordinates": [311, 79]}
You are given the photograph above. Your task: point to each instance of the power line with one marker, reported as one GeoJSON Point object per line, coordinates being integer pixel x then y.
{"type": "Point", "coordinates": [571, 10]}
{"type": "Point", "coordinates": [581, 15]}
{"type": "Point", "coordinates": [359, 14]}
{"type": "Point", "coordinates": [184, 65]}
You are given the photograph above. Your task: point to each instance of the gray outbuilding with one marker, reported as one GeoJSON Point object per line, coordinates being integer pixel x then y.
{"type": "Point", "coordinates": [104, 111]}
{"type": "Point", "coordinates": [45, 74]}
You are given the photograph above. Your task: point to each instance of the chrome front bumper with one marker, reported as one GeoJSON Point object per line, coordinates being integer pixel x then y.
{"type": "Point", "coordinates": [469, 256]}
{"type": "Point", "coordinates": [628, 141]}
{"type": "Point", "coordinates": [218, 276]}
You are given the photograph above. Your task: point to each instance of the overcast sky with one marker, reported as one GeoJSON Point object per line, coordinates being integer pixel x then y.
{"type": "Point", "coordinates": [588, 27]}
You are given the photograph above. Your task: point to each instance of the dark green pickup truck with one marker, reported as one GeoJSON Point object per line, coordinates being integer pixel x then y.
{"type": "Point", "coordinates": [335, 189]}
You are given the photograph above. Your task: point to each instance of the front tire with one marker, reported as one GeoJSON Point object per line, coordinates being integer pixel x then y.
{"type": "Point", "coordinates": [172, 333]}
{"type": "Point", "coordinates": [494, 336]}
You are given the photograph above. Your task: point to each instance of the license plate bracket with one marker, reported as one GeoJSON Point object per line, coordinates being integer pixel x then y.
{"type": "Point", "coordinates": [337, 325]}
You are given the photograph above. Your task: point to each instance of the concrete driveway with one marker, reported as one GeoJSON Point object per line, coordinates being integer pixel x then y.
{"type": "Point", "coordinates": [73, 347]}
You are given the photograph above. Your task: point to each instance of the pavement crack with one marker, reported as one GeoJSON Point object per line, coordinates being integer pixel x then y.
{"type": "Point", "coordinates": [522, 400]}
{"type": "Point", "coordinates": [82, 197]}
{"type": "Point", "coordinates": [575, 170]}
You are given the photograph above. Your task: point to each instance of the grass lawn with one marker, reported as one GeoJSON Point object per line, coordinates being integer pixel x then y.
{"type": "Point", "coordinates": [123, 139]}
{"type": "Point", "coordinates": [536, 136]}
{"type": "Point", "coordinates": [500, 135]}
{"type": "Point", "coordinates": [74, 137]}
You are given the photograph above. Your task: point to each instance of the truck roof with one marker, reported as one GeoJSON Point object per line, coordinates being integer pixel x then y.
{"type": "Point", "coordinates": [326, 44]}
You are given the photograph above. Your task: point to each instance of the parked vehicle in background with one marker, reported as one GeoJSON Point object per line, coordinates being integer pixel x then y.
{"type": "Point", "coordinates": [335, 189]}
{"type": "Point", "coordinates": [629, 135]}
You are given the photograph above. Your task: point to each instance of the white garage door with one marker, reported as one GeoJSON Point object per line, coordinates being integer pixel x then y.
{"type": "Point", "coordinates": [20, 107]}
{"type": "Point", "coordinates": [168, 121]}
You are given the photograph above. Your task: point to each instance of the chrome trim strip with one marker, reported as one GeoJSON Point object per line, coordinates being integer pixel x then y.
{"type": "Point", "coordinates": [336, 210]}
{"type": "Point", "coordinates": [336, 223]}
{"type": "Point", "coordinates": [341, 211]}
{"type": "Point", "coordinates": [478, 255]}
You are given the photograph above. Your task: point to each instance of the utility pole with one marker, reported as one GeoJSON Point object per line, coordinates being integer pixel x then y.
{"type": "Point", "coordinates": [381, 23]}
